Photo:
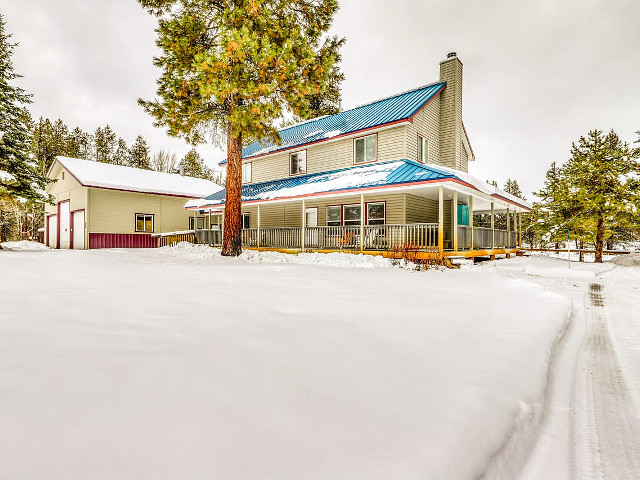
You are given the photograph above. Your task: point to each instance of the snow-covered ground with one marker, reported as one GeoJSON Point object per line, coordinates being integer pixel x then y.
{"type": "Point", "coordinates": [178, 363]}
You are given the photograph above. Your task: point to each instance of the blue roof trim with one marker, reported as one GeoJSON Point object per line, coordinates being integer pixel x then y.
{"type": "Point", "coordinates": [375, 114]}
{"type": "Point", "coordinates": [396, 172]}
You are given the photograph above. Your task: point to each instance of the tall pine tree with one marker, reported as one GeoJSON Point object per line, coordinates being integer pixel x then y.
{"type": "Point", "coordinates": [232, 68]}
{"type": "Point", "coordinates": [20, 179]}
{"type": "Point", "coordinates": [139, 156]}
{"type": "Point", "coordinates": [106, 143]}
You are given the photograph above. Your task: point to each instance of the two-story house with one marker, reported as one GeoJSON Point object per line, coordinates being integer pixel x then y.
{"type": "Point", "coordinates": [381, 176]}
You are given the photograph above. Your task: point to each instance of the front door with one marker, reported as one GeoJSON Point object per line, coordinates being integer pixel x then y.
{"type": "Point", "coordinates": [78, 230]}
{"type": "Point", "coordinates": [64, 226]}
{"type": "Point", "coordinates": [311, 220]}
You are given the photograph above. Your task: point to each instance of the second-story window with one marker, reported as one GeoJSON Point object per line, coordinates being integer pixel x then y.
{"type": "Point", "coordinates": [423, 149]}
{"type": "Point", "coordinates": [298, 163]}
{"type": "Point", "coordinates": [365, 149]}
{"type": "Point", "coordinates": [246, 172]}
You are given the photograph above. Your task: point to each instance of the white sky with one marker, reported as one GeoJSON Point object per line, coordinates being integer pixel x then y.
{"type": "Point", "coordinates": [537, 74]}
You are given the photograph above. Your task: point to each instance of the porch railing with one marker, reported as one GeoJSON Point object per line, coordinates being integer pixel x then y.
{"type": "Point", "coordinates": [483, 238]}
{"type": "Point", "coordinates": [419, 236]}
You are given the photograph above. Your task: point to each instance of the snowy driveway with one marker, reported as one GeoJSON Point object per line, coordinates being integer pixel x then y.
{"type": "Point", "coordinates": [161, 364]}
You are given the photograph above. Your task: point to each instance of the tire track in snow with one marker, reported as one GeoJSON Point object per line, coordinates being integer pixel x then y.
{"type": "Point", "coordinates": [606, 425]}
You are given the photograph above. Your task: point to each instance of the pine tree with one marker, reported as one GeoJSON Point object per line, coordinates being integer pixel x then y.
{"type": "Point", "coordinates": [139, 154]}
{"type": "Point", "coordinates": [232, 68]}
{"type": "Point", "coordinates": [192, 165]}
{"type": "Point", "coordinates": [49, 141]}
{"type": "Point", "coordinates": [594, 194]}
{"type": "Point", "coordinates": [80, 144]}
{"type": "Point", "coordinates": [602, 173]}
{"type": "Point", "coordinates": [20, 179]}
{"type": "Point", "coordinates": [105, 144]}
{"type": "Point", "coordinates": [121, 155]}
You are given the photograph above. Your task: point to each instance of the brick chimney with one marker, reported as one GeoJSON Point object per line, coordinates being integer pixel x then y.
{"type": "Point", "coordinates": [451, 130]}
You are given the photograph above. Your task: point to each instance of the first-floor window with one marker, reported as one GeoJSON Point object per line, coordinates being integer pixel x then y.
{"type": "Point", "coordinates": [334, 217]}
{"type": "Point", "coordinates": [298, 163]}
{"type": "Point", "coordinates": [423, 149]}
{"type": "Point", "coordinates": [246, 220]}
{"type": "Point", "coordinates": [365, 149]}
{"type": "Point", "coordinates": [144, 222]}
{"type": "Point", "coordinates": [375, 213]}
{"type": "Point", "coordinates": [199, 223]}
{"type": "Point", "coordinates": [246, 172]}
{"type": "Point", "coordinates": [351, 214]}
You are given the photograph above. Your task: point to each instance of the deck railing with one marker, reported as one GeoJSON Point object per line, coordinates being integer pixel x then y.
{"type": "Point", "coordinates": [485, 238]}
{"type": "Point", "coordinates": [419, 236]}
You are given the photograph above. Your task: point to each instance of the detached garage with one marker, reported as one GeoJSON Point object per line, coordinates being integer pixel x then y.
{"type": "Point", "coordinates": [99, 205]}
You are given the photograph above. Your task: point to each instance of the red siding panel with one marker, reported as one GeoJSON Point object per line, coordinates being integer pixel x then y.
{"type": "Point", "coordinates": [122, 240]}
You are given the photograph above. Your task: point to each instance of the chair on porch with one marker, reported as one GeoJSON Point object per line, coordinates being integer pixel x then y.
{"type": "Point", "coordinates": [346, 240]}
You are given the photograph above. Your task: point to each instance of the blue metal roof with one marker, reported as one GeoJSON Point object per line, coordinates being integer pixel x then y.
{"type": "Point", "coordinates": [381, 112]}
{"type": "Point", "coordinates": [364, 176]}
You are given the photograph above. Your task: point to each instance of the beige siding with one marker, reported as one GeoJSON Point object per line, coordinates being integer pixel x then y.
{"type": "Point", "coordinates": [426, 123]}
{"type": "Point", "coordinates": [451, 114]}
{"type": "Point", "coordinates": [113, 211]}
{"type": "Point", "coordinates": [331, 155]}
{"type": "Point", "coordinates": [421, 210]}
{"type": "Point", "coordinates": [67, 189]}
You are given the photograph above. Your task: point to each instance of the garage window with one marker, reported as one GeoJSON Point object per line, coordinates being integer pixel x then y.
{"type": "Point", "coordinates": [144, 222]}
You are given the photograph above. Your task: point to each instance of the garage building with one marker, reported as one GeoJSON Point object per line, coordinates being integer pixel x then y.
{"type": "Point", "coordinates": [99, 205]}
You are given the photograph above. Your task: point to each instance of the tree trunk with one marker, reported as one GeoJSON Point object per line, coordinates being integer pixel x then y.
{"type": "Point", "coordinates": [232, 237]}
{"type": "Point", "coordinates": [599, 239]}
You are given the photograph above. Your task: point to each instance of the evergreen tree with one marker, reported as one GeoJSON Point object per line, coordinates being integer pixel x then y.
{"type": "Point", "coordinates": [192, 165]}
{"type": "Point", "coordinates": [20, 179]}
{"type": "Point", "coordinates": [80, 144]}
{"type": "Point", "coordinates": [594, 194]}
{"type": "Point", "coordinates": [105, 144]}
{"type": "Point", "coordinates": [232, 68]}
{"type": "Point", "coordinates": [139, 154]}
{"type": "Point", "coordinates": [49, 141]}
{"type": "Point", "coordinates": [121, 155]}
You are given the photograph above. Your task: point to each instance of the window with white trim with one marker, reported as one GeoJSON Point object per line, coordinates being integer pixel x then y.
{"type": "Point", "coordinates": [246, 220]}
{"type": "Point", "coordinates": [334, 216]}
{"type": "Point", "coordinates": [246, 172]}
{"type": "Point", "coordinates": [351, 214]}
{"type": "Point", "coordinates": [423, 149]}
{"type": "Point", "coordinates": [199, 223]}
{"type": "Point", "coordinates": [298, 163]}
{"type": "Point", "coordinates": [365, 149]}
{"type": "Point", "coordinates": [144, 222]}
{"type": "Point", "coordinates": [376, 213]}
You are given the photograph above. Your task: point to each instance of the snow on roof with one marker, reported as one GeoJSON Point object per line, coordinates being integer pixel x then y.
{"type": "Point", "coordinates": [117, 177]}
{"type": "Point", "coordinates": [383, 174]}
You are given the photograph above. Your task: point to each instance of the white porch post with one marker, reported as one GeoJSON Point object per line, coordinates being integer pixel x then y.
{"type": "Point", "coordinates": [455, 220]}
{"type": "Point", "coordinates": [508, 229]}
{"type": "Point", "coordinates": [520, 229]}
{"type": "Point", "coordinates": [258, 232]}
{"type": "Point", "coordinates": [471, 218]}
{"type": "Point", "coordinates": [362, 213]}
{"type": "Point", "coordinates": [304, 222]}
{"type": "Point", "coordinates": [493, 226]}
{"type": "Point", "coordinates": [441, 219]}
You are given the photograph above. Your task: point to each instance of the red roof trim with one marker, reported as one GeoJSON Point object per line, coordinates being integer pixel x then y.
{"type": "Point", "coordinates": [473, 155]}
{"type": "Point", "coordinates": [348, 190]}
{"type": "Point", "coordinates": [298, 147]}
{"type": "Point", "coordinates": [427, 102]}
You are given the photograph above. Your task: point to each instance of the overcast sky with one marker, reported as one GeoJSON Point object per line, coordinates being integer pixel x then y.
{"type": "Point", "coordinates": [537, 75]}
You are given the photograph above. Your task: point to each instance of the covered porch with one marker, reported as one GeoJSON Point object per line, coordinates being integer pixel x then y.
{"type": "Point", "coordinates": [439, 218]}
